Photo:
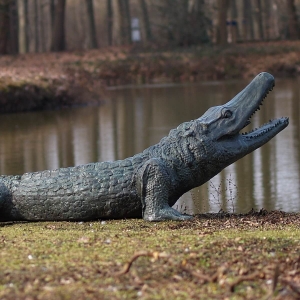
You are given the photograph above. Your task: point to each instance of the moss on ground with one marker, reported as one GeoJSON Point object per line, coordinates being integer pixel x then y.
{"type": "Point", "coordinates": [235, 257]}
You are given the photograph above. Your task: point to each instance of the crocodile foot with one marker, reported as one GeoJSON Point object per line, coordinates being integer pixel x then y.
{"type": "Point", "coordinates": [167, 213]}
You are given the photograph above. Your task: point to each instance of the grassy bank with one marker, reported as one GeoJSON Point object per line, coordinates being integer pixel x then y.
{"type": "Point", "coordinates": [254, 256]}
{"type": "Point", "coordinates": [41, 81]}
{"type": "Point", "coordinates": [53, 80]}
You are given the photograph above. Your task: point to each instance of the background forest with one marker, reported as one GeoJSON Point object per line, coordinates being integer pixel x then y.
{"type": "Point", "coordinates": [58, 25]}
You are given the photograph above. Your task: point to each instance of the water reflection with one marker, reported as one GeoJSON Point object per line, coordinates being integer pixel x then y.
{"type": "Point", "coordinates": [134, 118]}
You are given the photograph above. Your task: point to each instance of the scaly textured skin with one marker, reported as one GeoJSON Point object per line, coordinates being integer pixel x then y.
{"type": "Point", "coordinates": [147, 184]}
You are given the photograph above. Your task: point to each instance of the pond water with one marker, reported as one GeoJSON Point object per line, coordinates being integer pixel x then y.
{"type": "Point", "coordinates": [133, 118]}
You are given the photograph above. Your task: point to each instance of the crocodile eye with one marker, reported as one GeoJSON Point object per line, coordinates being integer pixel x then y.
{"type": "Point", "coordinates": [227, 114]}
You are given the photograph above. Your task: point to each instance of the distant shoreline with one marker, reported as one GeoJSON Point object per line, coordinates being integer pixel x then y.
{"type": "Point", "coordinates": [54, 80]}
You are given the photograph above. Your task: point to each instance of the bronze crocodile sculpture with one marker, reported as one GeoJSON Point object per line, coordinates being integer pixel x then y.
{"type": "Point", "coordinates": [149, 183]}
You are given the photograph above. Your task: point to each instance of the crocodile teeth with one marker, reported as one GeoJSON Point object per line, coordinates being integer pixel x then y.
{"type": "Point", "coordinates": [258, 108]}
{"type": "Point", "coordinates": [254, 134]}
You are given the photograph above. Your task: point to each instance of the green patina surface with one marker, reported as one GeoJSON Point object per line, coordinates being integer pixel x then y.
{"type": "Point", "coordinates": [63, 260]}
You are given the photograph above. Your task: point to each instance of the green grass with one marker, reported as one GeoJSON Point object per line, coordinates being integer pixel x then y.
{"type": "Point", "coordinates": [61, 260]}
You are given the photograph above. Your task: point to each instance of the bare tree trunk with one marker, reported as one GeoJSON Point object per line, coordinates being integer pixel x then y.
{"type": "Point", "coordinates": [22, 26]}
{"type": "Point", "coordinates": [58, 31]}
{"type": "Point", "coordinates": [91, 23]}
{"type": "Point", "coordinates": [4, 29]}
{"type": "Point", "coordinates": [250, 18]}
{"type": "Point", "coordinates": [116, 23]}
{"type": "Point", "coordinates": [52, 12]}
{"type": "Point", "coordinates": [13, 47]}
{"type": "Point", "coordinates": [123, 31]}
{"type": "Point", "coordinates": [248, 21]}
{"type": "Point", "coordinates": [292, 20]}
{"type": "Point", "coordinates": [259, 19]}
{"type": "Point", "coordinates": [125, 21]}
{"type": "Point", "coordinates": [222, 22]}
{"type": "Point", "coordinates": [42, 27]}
{"type": "Point", "coordinates": [145, 19]}
{"type": "Point", "coordinates": [36, 26]}
{"type": "Point", "coordinates": [26, 24]}
{"type": "Point", "coordinates": [109, 22]}
{"type": "Point", "coordinates": [234, 22]}
{"type": "Point", "coordinates": [267, 18]}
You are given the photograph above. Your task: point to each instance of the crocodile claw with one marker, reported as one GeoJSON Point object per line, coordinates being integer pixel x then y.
{"type": "Point", "coordinates": [167, 213]}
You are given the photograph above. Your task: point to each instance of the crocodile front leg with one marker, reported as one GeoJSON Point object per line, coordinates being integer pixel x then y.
{"type": "Point", "coordinates": [154, 184]}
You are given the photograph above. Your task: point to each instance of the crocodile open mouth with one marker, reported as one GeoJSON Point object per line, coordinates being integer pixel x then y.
{"type": "Point", "coordinates": [267, 128]}
{"type": "Point", "coordinates": [272, 125]}
{"type": "Point", "coordinates": [259, 105]}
